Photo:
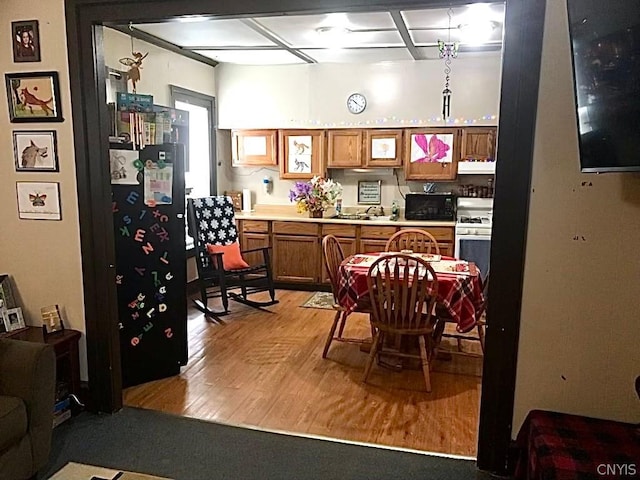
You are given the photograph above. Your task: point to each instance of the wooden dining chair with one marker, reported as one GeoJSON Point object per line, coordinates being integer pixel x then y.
{"type": "Point", "coordinates": [412, 239]}
{"type": "Point", "coordinates": [403, 291]}
{"type": "Point", "coordinates": [480, 326]}
{"type": "Point", "coordinates": [333, 257]}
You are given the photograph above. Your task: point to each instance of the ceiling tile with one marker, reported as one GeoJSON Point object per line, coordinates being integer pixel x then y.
{"type": "Point", "coordinates": [300, 31]}
{"type": "Point", "coordinates": [438, 17]}
{"type": "Point", "coordinates": [208, 33]}
{"type": "Point", "coordinates": [431, 37]}
{"type": "Point", "coordinates": [252, 57]}
{"type": "Point", "coordinates": [358, 55]}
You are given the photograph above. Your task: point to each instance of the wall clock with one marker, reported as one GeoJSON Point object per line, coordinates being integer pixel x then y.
{"type": "Point", "coordinates": [356, 103]}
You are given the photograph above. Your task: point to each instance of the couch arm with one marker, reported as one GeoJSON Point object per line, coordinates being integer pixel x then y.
{"type": "Point", "coordinates": [28, 371]}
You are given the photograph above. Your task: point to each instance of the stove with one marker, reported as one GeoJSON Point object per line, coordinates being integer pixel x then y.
{"type": "Point", "coordinates": [473, 231]}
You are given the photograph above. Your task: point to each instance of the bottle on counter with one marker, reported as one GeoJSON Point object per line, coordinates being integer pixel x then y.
{"type": "Point", "coordinates": [338, 206]}
{"type": "Point", "coordinates": [395, 210]}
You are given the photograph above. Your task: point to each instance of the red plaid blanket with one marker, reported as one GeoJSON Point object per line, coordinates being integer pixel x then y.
{"type": "Point", "coordinates": [558, 446]}
{"type": "Point", "coordinates": [460, 295]}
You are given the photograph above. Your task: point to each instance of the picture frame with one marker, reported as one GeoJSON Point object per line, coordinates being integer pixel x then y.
{"type": "Point", "coordinates": [35, 150]}
{"type": "Point", "coordinates": [13, 319]}
{"type": "Point", "coordinates": [26, 41]}
{"type": "Point", "coordinates": [301, 154]}
{"type": "Point", "coordinates": [51, 319]}
{"type": "Point", "coordinates": [33, 97]}
{"type": "Point", "coordinates": [369, 192]}
{"type": "Point", "coordinates": [38, 200]}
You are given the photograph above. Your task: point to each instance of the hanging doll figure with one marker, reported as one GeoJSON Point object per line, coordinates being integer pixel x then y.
{"type": "Point", "coordinates": [135, 65]}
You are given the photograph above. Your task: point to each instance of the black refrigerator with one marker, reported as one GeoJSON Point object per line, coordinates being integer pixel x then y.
{"type": "Point", "coordinates": [149, 226]}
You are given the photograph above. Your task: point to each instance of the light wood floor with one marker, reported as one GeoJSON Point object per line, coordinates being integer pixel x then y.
{"type": "Point", "coordinates": [265, 370]}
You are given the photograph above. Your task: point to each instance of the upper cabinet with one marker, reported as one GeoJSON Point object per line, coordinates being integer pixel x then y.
{"type": "Point", "coordinates": [383, 148]}
{"type": "Point", "coordinates": [478, 144]}
{"type": "Point", "coordinates": [301, 153]}
{"type": "Point", "coordinates": [344, 148]}
{"type": "Point", "coordinates": [431, 153]}
{"type": "Point", "coordinates": [253, 147]}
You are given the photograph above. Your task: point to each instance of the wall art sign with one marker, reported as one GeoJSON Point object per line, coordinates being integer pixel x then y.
{"type": "Point", "coordinates": [35, 150]}
{"type": "Point", "coordinates": [38, 200]}
{"type": "Point", "coordinates": [33, 97]}
{"type": "Point", "coordinates": [369, 192]}
{"type": "Point", "coordinates": [26, 41]}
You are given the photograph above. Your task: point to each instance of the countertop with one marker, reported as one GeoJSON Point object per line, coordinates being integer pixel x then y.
{"type": "Point", "coordinates": [299, 218]}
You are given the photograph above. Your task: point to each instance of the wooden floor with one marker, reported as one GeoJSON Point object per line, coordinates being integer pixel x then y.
{"type": "Point", "coordinates": [265, 370]}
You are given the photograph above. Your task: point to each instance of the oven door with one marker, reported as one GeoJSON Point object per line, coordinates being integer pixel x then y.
{"type": "Point", "coordinates": [476, 249]}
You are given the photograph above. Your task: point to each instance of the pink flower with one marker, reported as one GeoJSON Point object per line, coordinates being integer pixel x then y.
{"type": "Point", "coordinates": [433, 151]}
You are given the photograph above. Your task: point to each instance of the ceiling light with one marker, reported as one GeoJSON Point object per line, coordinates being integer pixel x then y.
{"type": "Point", "coordinates": [332, 37]}
{"type": "Point", "coordinates": [477, 32]}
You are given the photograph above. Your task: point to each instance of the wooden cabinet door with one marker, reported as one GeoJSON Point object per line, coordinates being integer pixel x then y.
{"type": "Point", "coordinates": [348, 248]}
{"type": "Point", "coordinates": [254, 240]}
{"type": "Point", "coordinates": [478, 144]}
{"type": "Point", "coordinates": [383, 148]}
{"type": "Point", "coordinates": [296, 258]}
{"type": "Point", "coordinates": [253, 147]}
{"type": "Point", "coordinates": [301, 153]}
{"type": "Point", "coordinates": [431, 153]}
{"type": "Point", "coordinates": [345, 148]}
{"type": "Point", "coordinates": [368, 245]}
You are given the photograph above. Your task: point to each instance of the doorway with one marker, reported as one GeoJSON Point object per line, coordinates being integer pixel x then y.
{"type": "Point", "coordinates": [524, 26]}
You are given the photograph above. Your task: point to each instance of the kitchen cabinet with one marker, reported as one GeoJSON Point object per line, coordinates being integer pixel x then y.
{"type": "Point", "coordinates": [254, 234]}
{"type": "Point", "coordinates": [301, 153]}
{"type": "Point", "coordinates": [345, 148]}
{"type": "Point", "coordinates": [297, 252]}
{"type": "Point", "coordinates": [478, 144]}
{"type": "Point", "coordinates": [253, 147]}
{"type": "Point", "coordinates": [383, 148]}
{"type": "Point", "coordinates": [431, 153]}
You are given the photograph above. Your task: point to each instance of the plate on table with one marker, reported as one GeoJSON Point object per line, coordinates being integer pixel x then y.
{"type": "Point", "coordinates": [456, 267]}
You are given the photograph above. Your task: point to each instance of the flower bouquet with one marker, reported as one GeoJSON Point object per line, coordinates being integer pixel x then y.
{"type": "Point", "coordinates": [315, 196]}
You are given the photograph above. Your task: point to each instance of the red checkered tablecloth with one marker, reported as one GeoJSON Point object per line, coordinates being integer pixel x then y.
{"type": "Point", "coordinates": [460, 295]}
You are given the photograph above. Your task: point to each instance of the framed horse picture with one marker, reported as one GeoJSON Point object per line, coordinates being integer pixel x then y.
{"type": "Point", "coordinates": [35, 151]}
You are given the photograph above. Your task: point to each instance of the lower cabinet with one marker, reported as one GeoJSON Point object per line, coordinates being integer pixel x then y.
{"type": "Point", "coordinates": [251, 241]}
{"type": "Point", "coordinates": [296, 258]}
{"type": "Point", "coordinates": [368, 245]}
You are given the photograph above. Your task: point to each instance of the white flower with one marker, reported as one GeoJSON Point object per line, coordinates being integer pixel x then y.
{"type": "Point", "coordinates": [220, 200]}
{"type": "Point", "coordinates": [211, 236]}
{"type": "Point", "coordinates": [217, 212]}
{"type": "Point", "coordinates": [228, 210]}
{"type": "Point", "coordinates": [198, 202]}
{"type": "Point", "coordinates": [203, 225]}
{"type": "Point", "coordinates": [206, 213]}
{"type": "Point", "coordinates": [214, 224]}
{"type": "Point", "coordinates": [222, 234]}
{"type": "Point", "coordinates": [209, 201]}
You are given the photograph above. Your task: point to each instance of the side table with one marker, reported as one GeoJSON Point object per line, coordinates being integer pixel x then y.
{"type": "Point", "coordinates": [65, 345]}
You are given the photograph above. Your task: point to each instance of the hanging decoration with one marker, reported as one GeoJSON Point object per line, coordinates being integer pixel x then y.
{"type": "Point", "coordinates": [134, 64]}
{"type": "Point", "coordinates": [448, 50]}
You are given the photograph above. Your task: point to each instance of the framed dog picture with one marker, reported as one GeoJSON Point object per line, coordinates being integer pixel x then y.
{"type": "Point", "coordinates": [38, 200]}
{"type": "Point", "coordinates": [33, 97]}
{"type": "Point", "coordinates": [35, 151]}
{"type": "Point", "coordinates": [26, 41]}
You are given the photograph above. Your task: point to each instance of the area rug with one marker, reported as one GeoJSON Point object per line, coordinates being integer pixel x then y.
{"type": "Point", "coordinates": [182, 448]}
{"type": "Point", "coordinates": [322, 300]}
{"type": "Point", "coordinates": [80, 471]}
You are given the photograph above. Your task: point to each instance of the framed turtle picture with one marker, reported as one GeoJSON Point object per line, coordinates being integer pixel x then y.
{"type": "Point", "coordinates": [35, 151]}
{"type": "Point", "coordinates": [33, 97]}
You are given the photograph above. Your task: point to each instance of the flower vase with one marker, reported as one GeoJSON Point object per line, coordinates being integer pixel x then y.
{"type": "Point", "coordinates": [315, 213]}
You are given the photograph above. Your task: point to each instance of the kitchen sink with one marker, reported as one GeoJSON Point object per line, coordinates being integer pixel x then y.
{"type": "Point", "coordinates": [362, 216]}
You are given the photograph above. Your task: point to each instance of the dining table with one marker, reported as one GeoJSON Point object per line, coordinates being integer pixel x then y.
{"type": "Point", "coordinates": [459, 285]}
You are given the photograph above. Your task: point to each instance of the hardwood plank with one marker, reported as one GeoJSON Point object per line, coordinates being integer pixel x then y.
{"type": "Point", "coordinates": [265, 370]}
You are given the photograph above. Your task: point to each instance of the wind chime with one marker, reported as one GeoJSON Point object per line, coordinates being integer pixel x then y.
{"type": "Point", "coordinates": [448, 50]}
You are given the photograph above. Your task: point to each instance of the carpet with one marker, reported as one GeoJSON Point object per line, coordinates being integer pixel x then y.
{"type": "Point", "coordinates": [322, 300]}
{"type": "Point", "coordinates": [183, 448]}
{"type": "Point", "coordinates": [80, 471]}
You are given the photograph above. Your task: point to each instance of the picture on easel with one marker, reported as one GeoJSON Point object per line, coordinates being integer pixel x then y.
{"type": "Point", "coordinates": [51, 319]}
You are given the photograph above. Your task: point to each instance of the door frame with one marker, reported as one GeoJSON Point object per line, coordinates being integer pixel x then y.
{"type": "Point", "coordinates": [522, 50]}
{"type": "Point", "coordinates": [208, 102]}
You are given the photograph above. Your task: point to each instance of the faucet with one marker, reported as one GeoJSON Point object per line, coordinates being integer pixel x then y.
{"type": "Point", "coordinates": [380, 210]}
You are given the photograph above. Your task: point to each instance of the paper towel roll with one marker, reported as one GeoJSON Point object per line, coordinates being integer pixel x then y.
{"type": "Point", "coordinates": [246, 200]}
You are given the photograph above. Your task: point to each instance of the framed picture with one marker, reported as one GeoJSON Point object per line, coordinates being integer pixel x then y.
{"type": "Point", "coordinates": [301, 153]}
{"type": "Point", "coordinates": [38, 200]}
{"type": "Point", "coordinates": [51, 319]}
{"type": "Point", "coordinates": [26, 41]}
{"type": "Point", "coordinates": [33, 97]}
{"type": "Point", "coordinates": [13, 319]}
{"type": "Point", "coordinates": [35, 151]}
{"type": "Point", "coordinates": [369, 192]}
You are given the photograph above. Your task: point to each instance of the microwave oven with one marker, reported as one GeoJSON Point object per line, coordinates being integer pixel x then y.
{"type": "Point", "coordinates": [430, 206]}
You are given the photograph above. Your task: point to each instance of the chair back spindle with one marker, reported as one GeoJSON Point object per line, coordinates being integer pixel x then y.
{"type": "Point", "coordinates": [419, 241]}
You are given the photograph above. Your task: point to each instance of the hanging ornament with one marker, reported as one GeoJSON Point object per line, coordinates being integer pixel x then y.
{"type": "Point", "coordinates": [134, 64]}
{"type": "Point", "coordinates": [448, 50]}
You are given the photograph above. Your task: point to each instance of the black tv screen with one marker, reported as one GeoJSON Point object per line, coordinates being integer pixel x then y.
{"type": "Point", "coordinates": [605, 38]}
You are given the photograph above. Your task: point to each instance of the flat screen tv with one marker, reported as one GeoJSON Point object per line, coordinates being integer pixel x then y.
{"type": "Point", "coordinates": [605, 38]}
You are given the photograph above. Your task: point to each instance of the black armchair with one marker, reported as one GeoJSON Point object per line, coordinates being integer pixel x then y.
{"type": "Point", "coordinates": [212, 222]}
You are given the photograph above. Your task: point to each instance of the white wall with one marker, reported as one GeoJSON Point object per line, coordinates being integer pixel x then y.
{"type": "Point", "coordinates": [579, 330]}
{"type": "Point", "coordinates": [160, 69]}
{"type": "Point", "coordinates": [43, 257]}
{"type": "Point", "coordinates": [314, 96]}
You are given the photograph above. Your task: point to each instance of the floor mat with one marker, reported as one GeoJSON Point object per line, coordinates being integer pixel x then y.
{"type": "Point", "coordinates": [323, 300]}
{"type": "Point", "coordinates": [80, 471]}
